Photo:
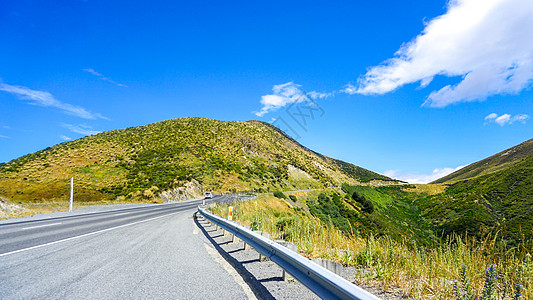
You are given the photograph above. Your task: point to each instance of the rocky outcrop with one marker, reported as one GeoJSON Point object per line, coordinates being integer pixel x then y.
{"type": "Point", "coordinates": [191, 190]}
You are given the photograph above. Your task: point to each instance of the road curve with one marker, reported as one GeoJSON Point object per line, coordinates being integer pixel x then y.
{"type": "Point", "coordinates": [152, 252]}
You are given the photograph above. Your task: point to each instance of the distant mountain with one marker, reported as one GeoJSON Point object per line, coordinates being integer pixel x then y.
{"type": "Point", "coordinates": [144, 161]}
{"type": "Point", "coordinates": [491, 164]}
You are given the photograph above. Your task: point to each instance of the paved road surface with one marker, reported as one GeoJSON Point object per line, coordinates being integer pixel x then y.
{"type": "Point", "coordinates": [152, 252]}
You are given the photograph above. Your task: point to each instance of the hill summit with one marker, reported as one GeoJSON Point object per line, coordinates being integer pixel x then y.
{"type": "Point", "coordinates": [141, 162]}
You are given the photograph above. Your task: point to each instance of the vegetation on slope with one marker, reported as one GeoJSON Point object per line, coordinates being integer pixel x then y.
{"type": "Point", "coordinates": [419, 271]}
{"type": "Point", "coordinates": [138, 163]}
{"type": "Point", "coordinates": [491, 164]}
{"type": "Point", "coordinates": [499, 202]}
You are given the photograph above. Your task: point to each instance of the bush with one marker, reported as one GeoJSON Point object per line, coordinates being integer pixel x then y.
{"type": "Point", "coordinates": [368, 206]}
{"type": "Point", "coordinates": [284, 222]}
{"type": "Point", "coordinates": [293, 198]}
{"type": "Point", "coordinates": [280, 195]}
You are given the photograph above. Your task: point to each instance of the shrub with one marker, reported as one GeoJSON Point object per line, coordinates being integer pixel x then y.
{"type": "Point", "coordinates": [368, 206]}
{"type": "Point", "coordinates": [280, 195]}
{"type": "Point", "coordinates": [293, 198]}
{"type": "Point", "coordinates": [284, 222]}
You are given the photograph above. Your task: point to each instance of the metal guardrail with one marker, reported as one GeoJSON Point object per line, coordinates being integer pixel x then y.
{"type": "Point", "coordinates": [321, 281]}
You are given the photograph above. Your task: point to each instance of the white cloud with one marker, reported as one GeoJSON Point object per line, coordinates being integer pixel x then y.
{"type": "Point", "coordinates": [520, 118]}
{"type": "Point", "coordinates": [65, 138]}
{"type": "Point", "coordinates": [3, 137]}
{"type": "Point", "coordinates": [487, 42]}
{"type": "Point", "coordinates": [81, 129]}
{"type": "Point", "coordinates": [349, 89]}
{"type": "Point", "coordinates": [506, 119]}
{"type": "Point", "coordinates": [318, 95]}
{"type": "Point", "coordinates": [285, 94]}
{"type": "Point", "coordinates": [416, 178]}
{"type": "Point", "coordinates": [503, 119]}
{"type": "Point", "coordinates": [491, 117]}
{"type": "Point", "coordinates": [47, 100]}
{"type": "Point", "coordinates": [102, 77]}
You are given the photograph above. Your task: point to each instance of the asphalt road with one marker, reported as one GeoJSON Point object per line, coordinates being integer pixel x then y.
{"type": "Point", "coordinates": [151, 252]}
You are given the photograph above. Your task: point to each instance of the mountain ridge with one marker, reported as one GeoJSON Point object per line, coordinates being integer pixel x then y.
{"type": "Point", "coordinates": [491, 164]}
{"type": "Point", "coordinates": [144, 161]}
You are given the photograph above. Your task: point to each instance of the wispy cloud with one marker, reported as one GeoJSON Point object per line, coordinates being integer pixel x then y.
{"type": "Point", "coordinates": [505, 119]}
{"type": "Point", "coordinates": [65, 138]}
{"type": "Point", "coordinates": [349, 89]}
{"type": "Point", "coordinates": [81, 129]}
{"type": "Point", "coordinates": [46, 99]}
{"type": "Point", "coordinates": [104, 78]}
{"type": "Point", "coordinates": [285, 94]}
{"type": "Point", "coordinates": [484, 41]}
{"type": "Point", "coordinates": [4, 136]}
{"type": "Point", "coordinates": [420, 178]}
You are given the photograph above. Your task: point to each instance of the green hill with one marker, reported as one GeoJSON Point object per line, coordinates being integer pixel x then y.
{"type": "Point", "coordinates": [141, 162]}
{"type": "Point", "coordinates": [491, 164]}
{"type": "Point", "coordinates": [494, 195]}
{"type": "Point", "coordinates": [500, 201]}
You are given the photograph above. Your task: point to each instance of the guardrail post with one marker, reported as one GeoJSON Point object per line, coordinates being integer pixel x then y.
{"type": "Point", "coordinates": [334, 267]}
{"type": "Point", "coordinates": [246, 246]}
{"type": "Point", "coordinates": [261, 256]}
{"type": "Point", "coordinates": [293, 247]}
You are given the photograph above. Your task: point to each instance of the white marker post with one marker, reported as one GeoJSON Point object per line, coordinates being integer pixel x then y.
{"type": "Point", "coordinates": [230, 213]}
{"type": "Point", "coordinates": [203, 202]}
{"type": "Point", "coordinates": [71, 193]}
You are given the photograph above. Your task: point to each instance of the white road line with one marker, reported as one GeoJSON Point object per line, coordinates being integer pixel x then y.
{"type": "Point", "coordinates": [45, 225]}
{"type": "Point", "coordinates": [84, 235]}
{"type": "Point", "coordinates": [126, 213]}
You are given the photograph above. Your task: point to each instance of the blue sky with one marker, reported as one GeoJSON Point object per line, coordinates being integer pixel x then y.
{"type": "Point", "coordinates": [412, 89]}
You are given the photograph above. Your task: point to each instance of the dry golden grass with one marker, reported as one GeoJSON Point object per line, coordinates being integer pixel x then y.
{"type": "Point", "coordinates": [430, 189]}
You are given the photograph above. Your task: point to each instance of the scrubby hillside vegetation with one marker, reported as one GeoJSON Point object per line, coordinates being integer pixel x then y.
{"type": "Point", "coordinates": [378, 242]}
{"type": "Point", "coordinates": [499, 202]}
{"type": "Point", "coordinates": [140, 163]}
{"type": "Point", "coordinates": [497, 162]}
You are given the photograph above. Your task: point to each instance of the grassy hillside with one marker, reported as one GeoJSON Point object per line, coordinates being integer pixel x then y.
{"type": "Point", "coordinates": [140, 162]}
{"type": "Point", "coordinates": [491, 164]}
{"type": "Point", "coordinates": [501, 202]}
{"type": "Point", "coordinates": [382, 211]}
